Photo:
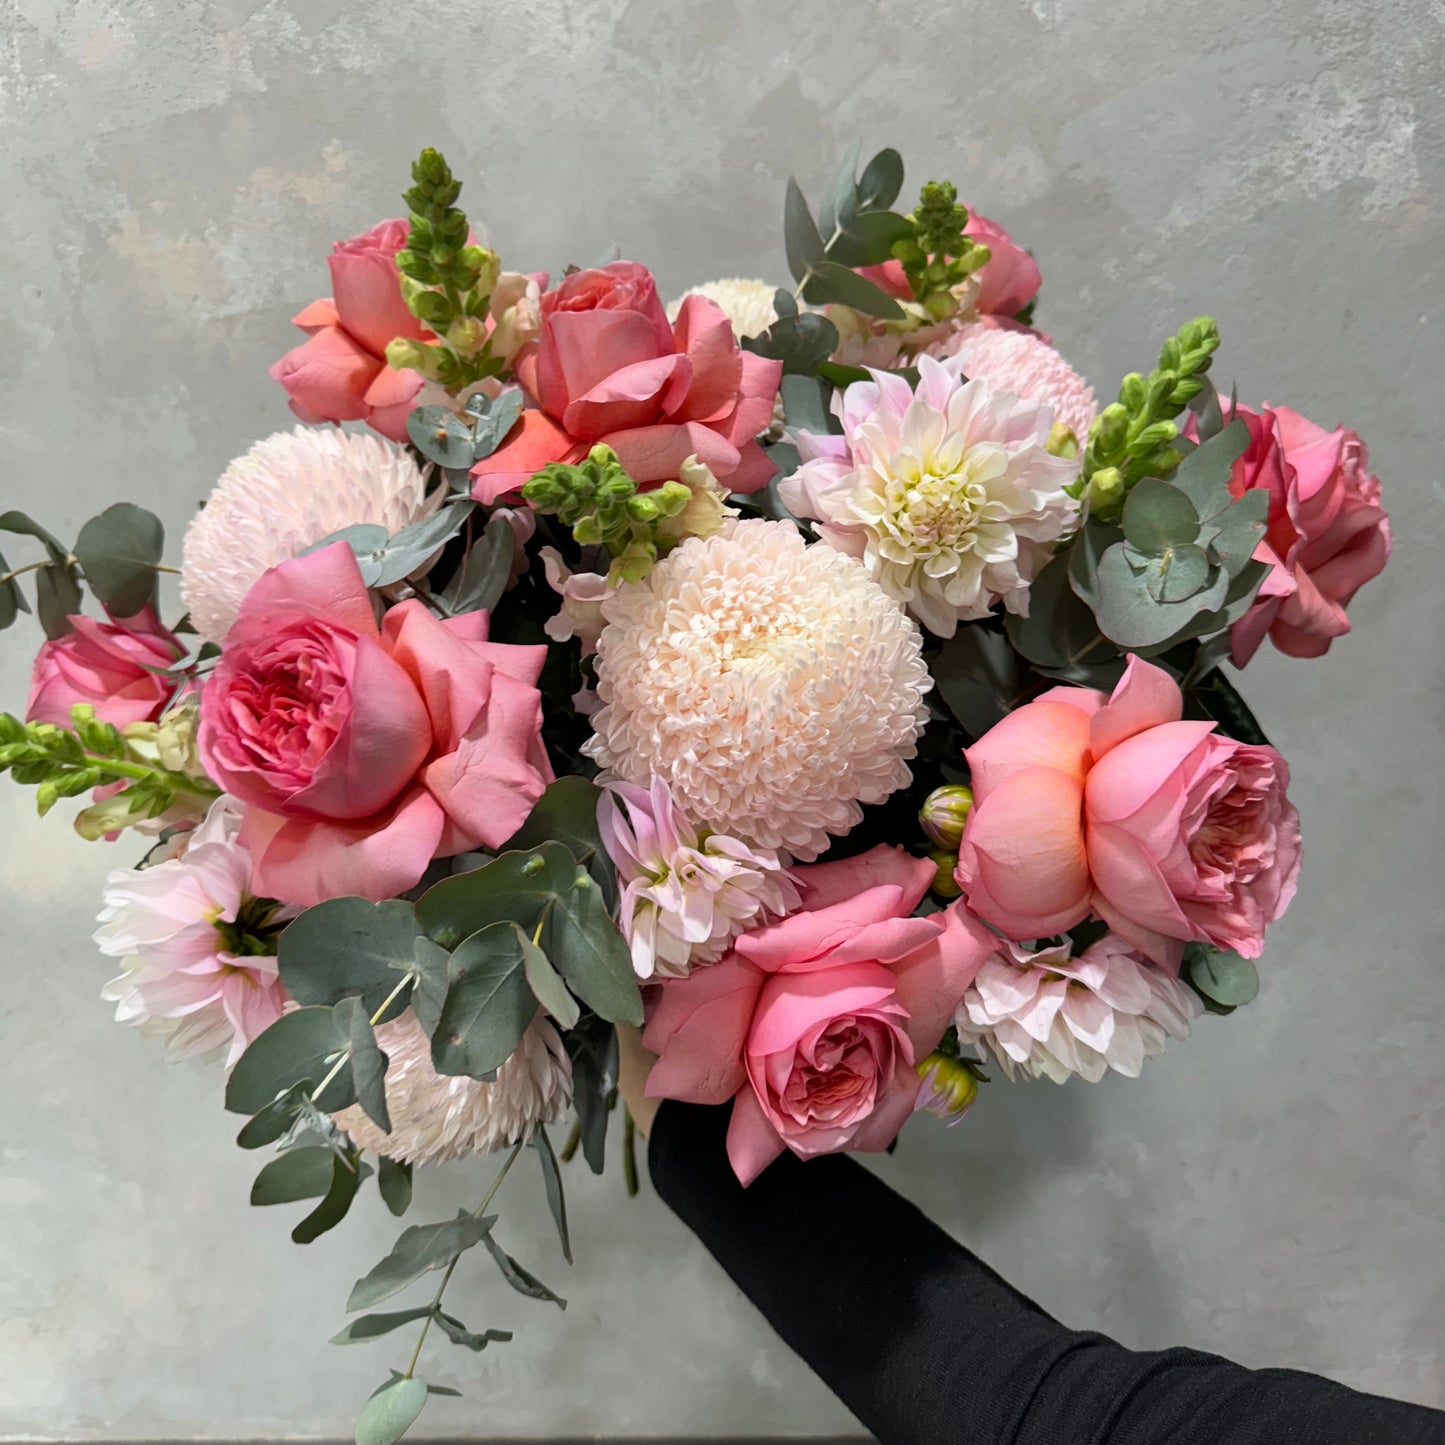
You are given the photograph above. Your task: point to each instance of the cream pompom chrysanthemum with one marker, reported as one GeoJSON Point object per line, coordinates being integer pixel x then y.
{"type": "Point", "coordinates": [436, 1117]}
{"type": "Point", "coordinates": [1024, 363]}
{"type": "Point", "coordinates": [774, 686]}
{"type": "Point", "coordinates": [747, 303]}
{"type": "Point", "coordinates": [288, 491]}
{"type": "Point", "coordinates": [946, 492]}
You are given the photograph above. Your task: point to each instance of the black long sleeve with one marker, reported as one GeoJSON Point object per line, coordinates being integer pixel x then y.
{"type": "Point", "coordinates": [926, 1344]}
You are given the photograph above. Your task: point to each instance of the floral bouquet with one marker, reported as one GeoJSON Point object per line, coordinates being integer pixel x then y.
{"type": "Point", "coordinates": [819, 679]}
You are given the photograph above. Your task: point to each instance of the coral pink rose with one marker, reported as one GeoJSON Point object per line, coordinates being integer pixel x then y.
{"type": "Point", "coordinates": [115, 666]}
{"type": "Point", "coordinates": [362, 752]}
{"type": "Point", "coordinates": [1112, 805]}
{"type": "Point", "coordinates": [813, 1025]}
{"type": "Point", "coordinates": [341, 374]}
{"type": "Point", "coordinates": [1326, 536]}
{"type": "Point", "coordinates": [609, 368]}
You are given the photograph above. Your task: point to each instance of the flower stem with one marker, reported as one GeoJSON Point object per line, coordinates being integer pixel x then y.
{"type": "Point", "coordinates": [21, 571]}
{"type": "Point", "coordinates": [569, 1149]}
{"type": "Point", "coordinates": [446, 1278]}
{"type": "Point", "coordinates": [629, 1152]}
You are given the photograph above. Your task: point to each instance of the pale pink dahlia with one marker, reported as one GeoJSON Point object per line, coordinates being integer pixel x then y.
{"type": "Point", "coordinates": [1020, 361]}
{"type": "Point", "coordinates": [436, 1117]}
{"type": "Point", "coordinates": [685, 895]}
{"type": "Point", "coordinates": [192, 938]}
{"type": "Point", "coordinates": [288, 491]}
{"type": "Point", "coordinates": [946, 493]}
{"type": "Point", "coordinates": [774, 687]}
{"type": "Point", "coordinates": [1049, 1015]}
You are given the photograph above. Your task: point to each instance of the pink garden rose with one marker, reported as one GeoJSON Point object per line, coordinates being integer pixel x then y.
{"type": "Point", "coordinates": [1112, 805]}
{"type": "Point", "coordinates": [362, 752]}
{"type": "Point", "coordinates": [341, 374]}
{"type": "Point", "coordinates": [1326, 536]}
{"type": "Point", "coordinates": [116, 666]}
{"type": "Point", "coordinates": [813, 1025]}
{"type": "Point", "coordinates": [609, 368]}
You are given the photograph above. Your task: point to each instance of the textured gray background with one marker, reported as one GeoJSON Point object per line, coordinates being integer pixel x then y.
{"type": "Point", "coordinates": [171, 174]}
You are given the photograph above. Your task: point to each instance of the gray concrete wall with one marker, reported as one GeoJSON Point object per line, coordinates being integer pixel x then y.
{"type": "Point", "coordinates": [171, 173]}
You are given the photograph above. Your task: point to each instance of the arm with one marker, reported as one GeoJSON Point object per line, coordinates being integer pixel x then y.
{"type": "Point", "coordinates": [927, 1345]}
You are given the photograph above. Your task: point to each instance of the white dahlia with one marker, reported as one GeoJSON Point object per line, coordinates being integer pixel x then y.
{"type": "Point", "coordinates": [946, 492]}
{"type": "Point", "coordinates": [748, 304]}
{"type": "Point", "coordinates": [288, 491]}
{"type": "Point", "coordinates": [774, 687]}
{"type": "Point", "coordinates": [1049, 1015]}
{"type": "Point", "coordinates": [685, 895]}
{"type": "Point", "coordinates": [435, 1117]}
{"type": "Point", "coordinates": [1024, 363]}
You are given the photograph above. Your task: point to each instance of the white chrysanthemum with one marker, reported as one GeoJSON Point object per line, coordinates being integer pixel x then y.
{"type": "Point", "coordinates": [1048, 1015]}
{"type": "Point", "coordinates": [288, 491]}
{"type": "Point", "coordinates": [748, 304]}
{"type": "Point", "coordinates": [436, 1117]}
{"type": "Point", "coordinates": [946, 492]}
{"type": "Point", "coordinates": [685, 896]}
{"type": "Point", "coordinates": [774, 686]}
{"type": "Point", "coordinates": [1024, 363]}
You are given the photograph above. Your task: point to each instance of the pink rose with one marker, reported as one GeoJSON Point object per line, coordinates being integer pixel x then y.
{"type": "Point", "coordinates": [117, 666]}
{"type": "Point", "coordinates": [608, 368]}
{"type": "Point", "coordinates": [341, 374]}
{"type": "Point", "coordinates": [1327, 534]}
{"type": "Point", "coordinates": [362, 752]}
{"type": "Point", "coordinates": [813, 1025]}
{"type": "Point", "coordinates": [1112, 805]}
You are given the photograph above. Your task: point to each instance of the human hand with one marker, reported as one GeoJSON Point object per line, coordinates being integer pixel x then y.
{"type": "Point", "coordinates": [634, 1063]}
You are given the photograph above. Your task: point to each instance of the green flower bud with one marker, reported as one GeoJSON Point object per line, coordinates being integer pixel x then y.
{"type": "Point", "coordinates": [643, 509]}
{"type": "Point", "coordinates": [633, 563]}
{"type": "Point", "coordinates": [949, 1086]}
{"type": "Point", "coordinates": [944, 813]}
{"type": "Point", "coordinates": [467, 334]}
{"type": "Point", "coordinates": [588, 530]}
{"type": "Point", "coordinates": [944, 883]}
{"type": "Point", "coordinates": [1105, 489]}
{"type": "Point", "coordinates": [1062, 442]}
{"type": "Point", "coordinates": [432, 307]}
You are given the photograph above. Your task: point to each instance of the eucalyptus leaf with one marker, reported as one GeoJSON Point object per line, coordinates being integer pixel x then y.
{"type": "Point", "coordinates": [800, 342]}
{"type": "Point", "coordinates": [552, 1183]}
{"type": "Point", "coordinates": [367, 541]}
{"type": "Point", "coordinates": [831, 282]}
{"type": "Point", "coordinates": [488, 1004]}
{"type": "Point", "coordinates": [349, 948]}
{"type": "Point", "coordinates": [276, 1119]}
{"type": "Point", "coordinates": [119, 551]}
{"type": "Point", "coordinates": [371, 1327]}
{"type": "Point", "coordinates": [491, 428]}
{"type": "Point", "coordinates": [1130, 616]}
{"type": "Point", "coordinates": [393, 1178]}
{"type": "Point", "coordinates": [1177, 574]}
{"type": "Point", "coordinates": [840, 201]}
{"type": "Point", "coordinates": [414, 546]}
{"type": "Point", "coordinates": [1203, 476]}
{"type": "Point", "coordinates": [806, 404]}
{"type": "Point", "coordinates": [548, 989]}
{"type": "Point", "coordinates": [566, 813]}
{"type": "Point", "coordinates": [1157, 515]}
{"type": "Point", "coordinates": [440, 436]}
{"type": "Point", "coordinates": [12, 599]}
{"type": "Point", "coordinates": [418, 1250]}
{"type": "Point", "coordinates": [430, 960]}
{"type": "Point", "coordinates": [514, 887]}
{"type": "Point", "coordinates": [297, 1174]}
{"type": "Point", "coordinates": [976, 674]}
{"type": "Point", "coordinates": [1234, 533]}
{"type": "Point", "coordinates": [522, 1280]}
{"type": "Point", "coordinates": [1208, 414]}
{"type": "Point", "coordinates": [483, 574]}
{"type": "Point", "coordinates": [24, 526]}
{"type": "Point", "coordinates": [784, 303]}
{"type": "Point", "coordinates": [368, 1062]}
{"type": "Point", "coordinates": [869, 238]}
{"type": "Point", "coordinates": [391, 1411]}
{"type": "Point", "coordinates": [1060, 631]}
{"type": "Point", "coordinates": [57, 599]}
{"type": "Point", "coordinates": [881, 181]}
{"type": "Point", "coordinates": [459, 1334]}
{"type": "Point", "coordinates": [801, 241]}
{"type": "Point", "coordinates": [347, 1175]}
{"type": "Point", "coordinates": [1093, 540]}
{"type": "Point", "coordinates": [584, 943]}
{"type": "Point", "coordinates": [304, 1044]}
{"type": "Point", "coordinates": [592, 1046]}
{"type": "Point", "coordinates": [1223, 976]}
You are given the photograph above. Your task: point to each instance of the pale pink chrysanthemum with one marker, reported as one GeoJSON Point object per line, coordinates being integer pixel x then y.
{"type": "Point", "coordinates": [685, 895]}
{"type": "Point", "coordinates": [746, 302]}
{"type": "Point", "coordinates": [437, 1117]}
{"type": "Point", "coordinates": [288, 491]}
{"type": "Point", "coordinates": [773, 685]}
{"type": "Point", "coordinates": [1050, 1015]}
{"type": "Point", "coordinates": [183, 927]}
{"type": "Point", "coordinates": [1021, 361]}
{"type": "Point", "coordinates": [946, 492]}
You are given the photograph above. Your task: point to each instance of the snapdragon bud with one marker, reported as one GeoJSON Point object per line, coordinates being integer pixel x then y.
{"type": "Point", "coordinates": [948, 1088]}
{"type": "Point", "coordinates": [1062, 442]}
{"type": "Point", "coordinates": [944, 813]}
{"type": "Point", "coordinates": [1105, 489]}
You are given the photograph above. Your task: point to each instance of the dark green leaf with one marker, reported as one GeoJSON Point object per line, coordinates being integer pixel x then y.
{"type": "Point", "coordinates": [803, 244]}
{"type": "Point", "coordinates": [840, 203]}
{"type": "Point", "coordinates": [800, 342]}
{"type": "Point", "coordinates": [57, 599]}
{"type": "Point", "coordinates": [349, 948]}
{"type": "Point", "coordinates": [300, 1045]}
{"type": "Point", "coordinates": [976, 673]}
{"type": "Point", "coordinates": [1217, 698]}
{"type": "Point", "coordinates": [394, 1180]}
{"type": "Point", "coordinates": [785, 303]}
{"type": "Point", "coordinates": [806, 404]}
{"type": "Point", "coordinates": [841, 376]}
{"type": "Point", "coordinates": [346, 1179]}
{"type": "Point", "coordinates": [552, 1182]}
{"type": "Point", "coordinates": [1158, 515]}
{"type": "Point", "coordinates": [1177, 573]}
{"type": "Point", "coordinates": [566, 813]}
{"type": "Point", "coordinates": [119, 551]}
{"type": "Point", "coordinates": [831, 282]}
{"type": "Point", "coordinates": [516, 886]}
{"type": "Point", "coordinates": [12, 599]}
{"type": "Point", "coordinates": [276, 1118]}
{"type": "Point", "coordinates": [549, 990]}
{"type": "Point", "coordinates": [1209, 415]}
{"type": "Point", "coordinates": [371, 1327]}
{"type": "Point", "coordinates": [418, 1250]}
{"type": "Point", "coordinates": [870, 238]}
{"type": "Point", "coordinates": [1060, 631]}
{"type": "Point", "coordinates": [297, 1174]}
{"type": "Point", "coordinates": [881, 181]}
{"type": "Point", "coordinates": [1225, 977]}
{"type": "Point", "coordinates": [443, 1390]}
{"type": "Point", "coordinates": [592, 1046]}
{"type": "Point", "coordinates": [1094, 539]}
{"type": "Point", "coordinates": [584, 944]}
{"type": "Point", "coordinates": [492, 426]}
{"type": "Point", "coordinates": [484, 572]}
{"type": "Point", "coordinates": [522, 1280]}
{"type": "Point", "coordinates": [390, 1412]}
{"type": "Point", "coordinates": [368, 1062]}
{"type": "Point", "coordinates": [488, 1004]}
{"type": "Point", "coordinates": [23, 526]}
{"type": "Point", "coordinates": [459, 1334]}
{"type": "Point", "coordinates": [440, 436]}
